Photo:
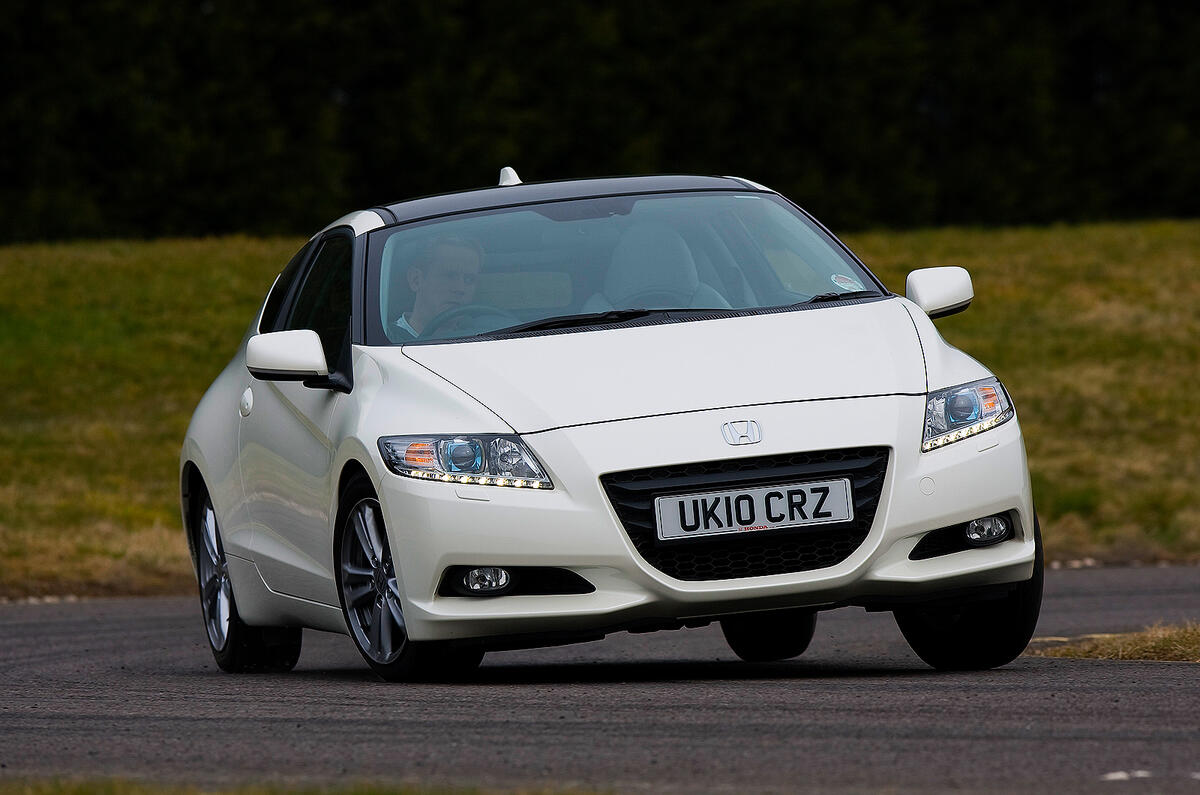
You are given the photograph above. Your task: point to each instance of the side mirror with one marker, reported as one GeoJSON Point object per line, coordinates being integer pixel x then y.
{"type": "Point", "coordinates": [286, 356]}
{"type": "Point", "coordinates": [940, 291]}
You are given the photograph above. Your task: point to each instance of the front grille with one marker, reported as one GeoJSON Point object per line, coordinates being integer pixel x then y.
{"type": "Point", "coordinates": [632, 495]}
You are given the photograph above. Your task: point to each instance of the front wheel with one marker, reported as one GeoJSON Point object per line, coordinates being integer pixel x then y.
{"type": "Point", "coordinates": [236, 646]}
{"type": "Point", "coordinates": [771, 635]}
{"type": "Point", "coordinates": [370, 597]}
{"type": "Point", "coordinates": [975, 636]}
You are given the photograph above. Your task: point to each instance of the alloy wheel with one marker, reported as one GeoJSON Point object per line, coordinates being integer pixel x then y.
{"type": "Point", "coordinates": [216, 593]}
{"type": "Point", "coordinates": [370, 591]}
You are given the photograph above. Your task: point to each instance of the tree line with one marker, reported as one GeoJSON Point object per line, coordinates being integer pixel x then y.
{"type": "Point", "coordinates": [127, 118]}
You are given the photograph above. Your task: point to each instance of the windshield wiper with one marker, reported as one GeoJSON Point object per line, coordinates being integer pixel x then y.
{"type": "Point", "coordinates": [621, 315]}
{"type": "Point", "coordinates": [821, 298]}
{"type": "Point", "coordinates": [584, 319]}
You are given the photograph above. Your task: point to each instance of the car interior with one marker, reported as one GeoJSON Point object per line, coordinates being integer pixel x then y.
{"type": "Point", "coordinates": [662, 256]}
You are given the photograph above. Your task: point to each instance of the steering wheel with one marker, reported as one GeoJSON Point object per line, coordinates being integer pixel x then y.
{"type": "Point", "coordinates": [467, 310]}
{"type": "Point", "coordinates": [656, 298]}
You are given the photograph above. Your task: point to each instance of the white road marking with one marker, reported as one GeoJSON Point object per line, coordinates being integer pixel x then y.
{"type": "Point", "coordinates": [1126, 775]}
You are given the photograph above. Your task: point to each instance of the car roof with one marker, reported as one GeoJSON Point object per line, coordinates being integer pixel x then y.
{"type": "Point", "coordinates": [529, 192]}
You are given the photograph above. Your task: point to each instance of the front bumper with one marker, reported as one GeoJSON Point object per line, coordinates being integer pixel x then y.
{"type": "Point", "coordinates": [435, 525]}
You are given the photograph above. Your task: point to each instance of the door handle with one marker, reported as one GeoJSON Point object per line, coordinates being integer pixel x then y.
{"type": "Point", "coordinates": [246, 405]}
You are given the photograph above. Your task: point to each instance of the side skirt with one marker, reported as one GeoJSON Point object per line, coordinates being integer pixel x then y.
{"type": "Point", "coordinates": [258, 605]}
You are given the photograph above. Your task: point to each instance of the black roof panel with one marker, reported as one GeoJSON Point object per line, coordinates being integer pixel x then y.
{"type": "Point", "coordinates": [530, 192]}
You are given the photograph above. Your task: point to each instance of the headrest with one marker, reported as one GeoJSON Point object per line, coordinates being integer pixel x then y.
{"type": "Point", "coordinates": [650, 258]}
{"type": "Point", "coordinates": [398, 295]}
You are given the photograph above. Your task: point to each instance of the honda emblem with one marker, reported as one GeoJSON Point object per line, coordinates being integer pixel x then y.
{"type": "Point", "coordinates": [741, 432]}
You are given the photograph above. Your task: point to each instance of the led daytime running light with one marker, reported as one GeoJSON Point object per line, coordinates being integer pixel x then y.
{"type": "Point", "coordinates": [476, 480]}
{"type": "Point", "coordinates": [469, 460]}
{"type": "Point", "coordinates": [963, 433]}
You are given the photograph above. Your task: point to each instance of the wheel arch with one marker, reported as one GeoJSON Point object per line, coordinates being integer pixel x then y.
{"type": "Point", "coordinates": [191, 488]}
{"type": "Point", "coordinates": [352, 468]}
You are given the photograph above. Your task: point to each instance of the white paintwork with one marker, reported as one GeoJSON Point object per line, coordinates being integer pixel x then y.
{"type": "Point", "coordinates": [570, 379]}
{"type": "Point", "coordinates": [286, 453]}
{"type": "Point", "coordinates": [361, 222]}
{"type": "Point", "coordinates": [939, 290]}
{"type": "Point", "coordinates": [752, 184]}
{"type": "Point", "coordinates": [296, 352]}
{"type": "Point", "coordinates": [945, 365]}
{"type": "Point", "coordinates": [508, 176]}
{"type": "Point", "coordinates": [590, 403]}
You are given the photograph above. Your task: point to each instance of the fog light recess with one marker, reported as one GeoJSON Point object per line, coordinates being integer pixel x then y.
{"type": "Point", "coordinates": [486, 580]}
{"type": "Point", "coordinates": [987, 531]}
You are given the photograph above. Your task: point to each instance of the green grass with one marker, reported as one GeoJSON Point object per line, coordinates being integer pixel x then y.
{"type": "Point", "coordinates": [1095, 330]}
{"type": "Point", "coordinates": [109, 344]}
{"type": "Point", "coordinates": [1163, 643]}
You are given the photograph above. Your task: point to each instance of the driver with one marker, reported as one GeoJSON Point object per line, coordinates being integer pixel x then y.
{"type": "Point", "coordinates": [442, 276]}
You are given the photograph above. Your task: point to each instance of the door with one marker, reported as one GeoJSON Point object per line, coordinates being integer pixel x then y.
{"type": "Point", "coordinates": [285, 445]}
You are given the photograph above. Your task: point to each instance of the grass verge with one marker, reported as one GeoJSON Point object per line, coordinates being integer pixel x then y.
{"type": "Point", "coordinates": [110, 344]}
{"type": "Point", "coordinates": [1179, 643]}
{"type": "Point", "coordinates": [1095, 332]}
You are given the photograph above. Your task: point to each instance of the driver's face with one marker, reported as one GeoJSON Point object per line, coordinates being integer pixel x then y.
{"type": "Point", "coordinates": [448, 281]}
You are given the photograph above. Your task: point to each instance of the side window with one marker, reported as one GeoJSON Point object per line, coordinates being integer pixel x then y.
{"type": "Point", "coordinates": [283, 285]}
{"type": "Point", "coordinates": [323, 303]}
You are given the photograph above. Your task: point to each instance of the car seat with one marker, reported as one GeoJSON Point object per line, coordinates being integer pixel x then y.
{"type": "Point", "coordinates": [652, 267]}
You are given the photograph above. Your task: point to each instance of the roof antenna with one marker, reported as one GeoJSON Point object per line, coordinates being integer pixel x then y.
{"type": "Point", "coordinates": [508, 176]}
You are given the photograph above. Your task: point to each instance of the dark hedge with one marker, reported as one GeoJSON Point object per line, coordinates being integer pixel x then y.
{"type": "Point", "coordinates": [146, 119]}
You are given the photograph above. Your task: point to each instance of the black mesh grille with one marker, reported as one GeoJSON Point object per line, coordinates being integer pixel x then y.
{"type": "Point", "coordinates": [632, 494]}
{"type": "Point", "coordinates": [940, 542]}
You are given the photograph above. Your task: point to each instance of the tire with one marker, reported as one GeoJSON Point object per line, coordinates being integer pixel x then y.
{"type": "Point", "coordinates": [236, 646]}
{"type": "Point", "coordinates": [771, 635]}
{"type": "Point", "coordinates": [978, 635]}
{"type": "Point", "coordinates": [369, 593]}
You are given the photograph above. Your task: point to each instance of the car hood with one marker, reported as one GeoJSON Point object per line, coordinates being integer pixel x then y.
{"type": "Point", "coordinates": [559, 380]}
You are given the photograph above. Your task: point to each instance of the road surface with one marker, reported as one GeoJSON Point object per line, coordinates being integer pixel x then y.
{"type": "Point", "coordinates": [127, 688]}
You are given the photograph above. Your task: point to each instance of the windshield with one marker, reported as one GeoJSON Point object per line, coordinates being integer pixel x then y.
{"type": "Point", "coordinates": [593, 260]}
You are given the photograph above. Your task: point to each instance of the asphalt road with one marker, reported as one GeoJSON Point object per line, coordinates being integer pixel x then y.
{"type": "Point", "coordinates": [127, 688]}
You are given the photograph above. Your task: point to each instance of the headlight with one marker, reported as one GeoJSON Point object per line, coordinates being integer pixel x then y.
{"type": "Point", "coordinates": [484, 460]}
{"type": "Point", "coordinates": [952, 415]}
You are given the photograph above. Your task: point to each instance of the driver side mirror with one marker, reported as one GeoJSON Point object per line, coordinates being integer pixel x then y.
{"type": "Point", "coordinates": [286, 356]}
{"type": "Point", "coordinates": [940, 291]}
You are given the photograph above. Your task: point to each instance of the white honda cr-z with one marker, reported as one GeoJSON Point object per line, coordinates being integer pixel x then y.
{"type": "Point", "coordinates": [539, 413]}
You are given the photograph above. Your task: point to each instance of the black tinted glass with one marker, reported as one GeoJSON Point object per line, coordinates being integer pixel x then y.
{"type": "Point", "coordinates": [283, 286]}
{"type": "Point", "coordinates": [323, 303]}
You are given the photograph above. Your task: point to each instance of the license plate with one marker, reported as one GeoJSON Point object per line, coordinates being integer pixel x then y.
{"type": "Point", "coordinates": [752, 510]}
